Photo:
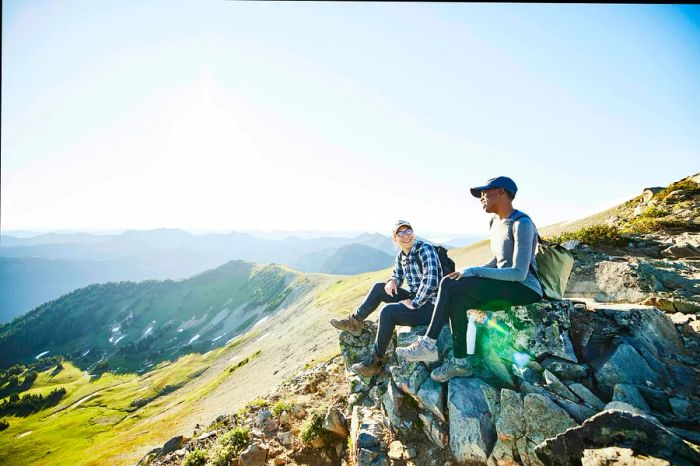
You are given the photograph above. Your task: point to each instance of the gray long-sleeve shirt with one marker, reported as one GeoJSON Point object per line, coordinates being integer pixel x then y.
{"type": "Point", "coordinates": [513, 245]}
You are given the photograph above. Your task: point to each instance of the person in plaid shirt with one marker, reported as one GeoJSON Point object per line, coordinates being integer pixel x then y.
{"type": "Point", "coordinates": [417, 264]}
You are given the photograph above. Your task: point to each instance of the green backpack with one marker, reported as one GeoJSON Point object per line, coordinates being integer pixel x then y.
{"type": "Point", "coordinates": [554, 264]}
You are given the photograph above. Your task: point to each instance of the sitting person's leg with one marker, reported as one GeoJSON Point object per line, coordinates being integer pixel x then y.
{"type": "Point", "coordinates": [477, 293]}
{"type": "Point", "coordinates": [391, 316]}
{"type": "Point", "coordinates": [376, 296]}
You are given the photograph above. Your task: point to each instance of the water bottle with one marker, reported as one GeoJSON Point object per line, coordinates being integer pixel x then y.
{"type": "Point", "coordinates": [471, 335]}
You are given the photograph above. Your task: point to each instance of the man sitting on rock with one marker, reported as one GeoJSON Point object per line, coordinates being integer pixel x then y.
{"type": "Point", "coordinates": [417, 262]}
{"type": "Point", "coordinates": [508, 279]}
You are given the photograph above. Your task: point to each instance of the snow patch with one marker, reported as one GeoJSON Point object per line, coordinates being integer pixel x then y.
{"type": "Point", "coordinates": [260, 321]}
{"type": "Point", "coordinates": [196, 337]}
{"type": "Point", "coordinates": [37, 357]}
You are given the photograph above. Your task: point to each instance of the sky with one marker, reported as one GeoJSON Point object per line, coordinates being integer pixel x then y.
{"type": "Point", "coordinates": [222, 116]}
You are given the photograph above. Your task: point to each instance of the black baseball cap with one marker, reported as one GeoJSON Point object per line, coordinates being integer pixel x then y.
{"type": "Point", "coordinates": [498, 182]}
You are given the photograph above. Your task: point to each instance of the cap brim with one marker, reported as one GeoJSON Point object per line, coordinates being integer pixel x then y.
{"type": "Point", "coordinates": [476, 192]}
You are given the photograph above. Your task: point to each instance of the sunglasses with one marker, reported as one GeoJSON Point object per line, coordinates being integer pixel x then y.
{"type": "Point", "coordinates": [403, 233]}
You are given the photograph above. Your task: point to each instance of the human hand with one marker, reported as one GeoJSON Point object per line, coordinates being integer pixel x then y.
{"type": "Point", "coordinates": [454, 275]}
{"type": "Point", "coordinates": [391, 288]}
{"type": "Point", "coordinates": [479, 316]}
{"type": "Point", "coordinates": [408, 303]}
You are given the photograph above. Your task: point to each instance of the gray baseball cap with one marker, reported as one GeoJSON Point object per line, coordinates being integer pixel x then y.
{"type": "Point", "coordinates": [399, 224]}
{"type": "Point", "coordinates": [498, 182]}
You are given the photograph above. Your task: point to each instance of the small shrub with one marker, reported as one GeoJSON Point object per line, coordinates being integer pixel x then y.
{"type": "Point", "coordinates": [258, 403]}
{"type": "Point", "coordinates": [4, 425]}
{"type": "Point", "coordinates": [237, 438]}
{"type": "Point", "coordinates": [222, 455]}
{"type": "Point", "coordinates": [596, 235]}
{"type": "Point", "coordinates": [683, 185]}
{"type": "Point", "coordinates": [653, 212]}
{"type": "Point", "coordinates": [197, 457]}
{"type": "Point", "coordinates": [312, 428]}
{"type": "Point", "coordinates": [280, 407]}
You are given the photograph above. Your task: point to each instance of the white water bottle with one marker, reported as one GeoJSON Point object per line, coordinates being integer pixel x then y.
{"type": "Point", "coordinates": [471, 335]}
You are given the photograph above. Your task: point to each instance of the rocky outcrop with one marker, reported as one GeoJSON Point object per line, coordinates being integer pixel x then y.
{"type": "Point", "coordinates": [545, 371]}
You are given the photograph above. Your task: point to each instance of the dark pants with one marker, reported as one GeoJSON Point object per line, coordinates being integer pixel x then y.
{"type": "Point", "coordinates": [392, 314]}
{"type": "Point", "coordinates": [456, 296]}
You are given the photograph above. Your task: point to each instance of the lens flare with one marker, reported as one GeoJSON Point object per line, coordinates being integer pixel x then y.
{"type": "Point", "coordinates": [521, 359]}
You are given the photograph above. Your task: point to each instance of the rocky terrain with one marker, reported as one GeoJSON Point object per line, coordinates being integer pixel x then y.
{"type": "Point", "coordinates": [609, 375]}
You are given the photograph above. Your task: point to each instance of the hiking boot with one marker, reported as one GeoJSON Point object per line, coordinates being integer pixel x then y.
{"type": "Point", "coordinates": [369, 367]}
{"type": "Point", "coordinates": [419, 350]}
{"type": "Point", "coordinates": [451, 369]}
{"type": "Point", "coordinates": [349, 324]}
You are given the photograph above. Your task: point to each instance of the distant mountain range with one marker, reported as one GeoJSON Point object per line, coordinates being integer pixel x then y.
{"type": "Point", "coordinates": [37, 269]}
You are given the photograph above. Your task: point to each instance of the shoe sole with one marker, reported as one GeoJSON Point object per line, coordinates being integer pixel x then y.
{"type": "Point", "coordinates": [414, 359]}
{"type": "Point", "coordinates": [439, 380]}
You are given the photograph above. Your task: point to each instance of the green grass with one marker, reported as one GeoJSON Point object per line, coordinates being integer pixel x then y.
{"type": "Point", "coordinates": [105, 425]}
{"type": "Point", "coordinates": [597, 235]}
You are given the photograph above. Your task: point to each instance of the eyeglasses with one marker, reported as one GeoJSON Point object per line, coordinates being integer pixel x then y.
{"type": "Point", "coordinates": [403, 233]}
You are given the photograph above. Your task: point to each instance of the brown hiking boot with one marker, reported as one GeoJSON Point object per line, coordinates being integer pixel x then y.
{"type": "Point", "coordinates": [349, 324]}
{"type": "Point", "coordinates": [368, 368]}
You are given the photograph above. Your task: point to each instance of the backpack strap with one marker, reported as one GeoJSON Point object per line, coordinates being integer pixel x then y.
{"type": "Point", "coordinates": [539, 240]}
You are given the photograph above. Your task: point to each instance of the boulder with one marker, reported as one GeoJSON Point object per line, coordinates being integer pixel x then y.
{"type": "Point", "coordinates": [556, 386]}
{"type": "Point", "coordinates": [620, 429]}
{"type": "Point", "coordinates": [409, 376]}
{"type": "Point", "coordinates": [472, 431]}
{"type": "Point", "coordinates": [436, 431]}
{"type": "Point", "coordinates": [587, 396]}
{"type": "Point", "coordinates": [629, 394]}
{"type": "Point", "coordinates": [619, 457]}
{"type": "Point", "coordinates": [564, 369]}
{"type": "Point", "coordinates": [392, 402]}
{"type": "Point", "coordinates": [510, 427]}
{"type": "Point", "coordinates": [431, 396]}
{"type": "Point", "coordinates": [624, 365]}
{"type": "Point", "coordinates": [544, 418]}
{"type": "Point", "coordinates": [171, 445]}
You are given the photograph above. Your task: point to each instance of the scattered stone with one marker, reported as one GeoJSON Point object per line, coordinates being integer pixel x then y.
{"type": "Point", "coordinates": [396, 450]}
{"type": "Point", "coordinates": [173, 444]}
{"type": "Point", "coordinates": [254, 455]}
{"type": "Point", "coordinates": [366, 457]}
{"type": "Point", "coordinates": [409, 376]}
{"type": "Point", "coordinates": [410, 453]}
{"type": "Point", "coordinates": [335, 422]}
{"type": "Point", "coordinates": [285, 438]}
{"type": "Point", "coordinates": [556, 386]}
{"type": "Point", "coordinates": [434, 429]}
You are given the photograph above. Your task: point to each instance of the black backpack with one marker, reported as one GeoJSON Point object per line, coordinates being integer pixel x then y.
{"type": "Point", "coordinates": [446, 264]}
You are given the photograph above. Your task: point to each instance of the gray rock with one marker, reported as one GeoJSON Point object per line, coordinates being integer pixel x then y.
{"type": "Point", "coordinates": [335, 422]}
{"type": "Point", "coordinates": [472, 433]}
{"type": "Point", "coordinates": [510, 427]}
{"type": "Point", "coordinates": [381, 460]}
{"type": "Point", "coordinates": [434, 429]}
{"type": "Point", "coordinates": [254, 455]}
{"type": "Point", "coordinates": [544, 418]}
{"type": "Point", "coordinates": [587, 396]}
{"type": "Point", "coordinates": [656, 399]}
{"type": "Point", "coordinates": [564, 369]}
{"type": "Point", "coordinates": [392, 402]}
{"type": "Point", "coordinates": [396, 450]}
{"type": "Point", "coordinates": [630, 394]}
{"type": "Point", "coordinates": [577, 411]}
{"type": "Point", "coordinates": [409, 376]}
{"type": "Point", "coordinates": [431, 396]}
{"type": "Point", "coordinates": [366, 457]}
{"type": "Point", "coordinates": [685, 408]}
{"type": "Point", "coordinates": [625, 366]}
{"type": "Point", "coordinates": [285, 438]}
{"type": "Point", "coordinates": [622, 406]}
{"type": "Point", "coordinates": [173, 444]}
{"type": "Point", "coordinates": [556, 386]}
{"type": "Point", "coordinates": [620, 429]}
{"type": "Point", "coordinates": [618, 456]}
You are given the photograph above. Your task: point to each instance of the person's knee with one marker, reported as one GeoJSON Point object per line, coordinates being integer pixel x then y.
{"type": "Point", "coordinates": [387, 314]}
{"type": "Point", "coordinates": [379, 286]}
{"type": "Point", "coordinates": [447, 283]}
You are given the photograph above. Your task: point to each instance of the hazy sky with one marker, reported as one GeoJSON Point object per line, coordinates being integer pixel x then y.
{"type": "Point", "coordinates": [342, 116]}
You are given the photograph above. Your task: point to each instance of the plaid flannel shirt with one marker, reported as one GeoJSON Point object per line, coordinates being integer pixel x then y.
{"type": "Point", "coordinates": [423, 286]}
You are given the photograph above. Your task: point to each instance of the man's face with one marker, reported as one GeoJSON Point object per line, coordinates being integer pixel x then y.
{"type": "Point", "coordinates": [404, 237]}
{"type": "Point", "coordinates": [490, 198]}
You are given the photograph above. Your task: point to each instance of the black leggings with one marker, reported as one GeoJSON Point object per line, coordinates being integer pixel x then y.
{"type": "Point", "coordinates": [456, 296]}
{"type": "Point", "coordinates": [392, 314]}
